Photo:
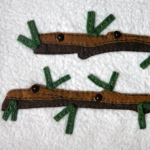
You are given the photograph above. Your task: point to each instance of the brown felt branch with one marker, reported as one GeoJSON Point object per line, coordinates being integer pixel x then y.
{"type": "Point", "coordinates": [87, 45]}
{"type": "Point", "coordinates": [45, 97]}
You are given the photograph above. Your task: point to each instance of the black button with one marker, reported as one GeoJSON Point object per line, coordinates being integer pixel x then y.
{"type": "Point", "coordinates": [98, 97]}
{"type": "Point", "coordinates": [59, 37]}
{"type": "Point", "coordinates": [117, 34]}
{"type": "Point", "coordinates": [35, 88]}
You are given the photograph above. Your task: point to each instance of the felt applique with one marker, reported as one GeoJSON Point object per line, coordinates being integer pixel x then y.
{"type": "Point", "coordinates": [145, 63]}
{"type": "Point", "coordinates": [71, 109]}
{"type": "Point", "coordinates": [15, 95]}
{"type": "Point", "coordinates": [51, 85]}
{"type": "Point", "coordinates": [141, 115]}
{"type": "Point", "coordinates": [35, 42]}
{"type": "Point", "coordinates": [90, 23]}
{"type": "Point", "coordinates": [85, 45]}
{"type": "Point", "coordinates": [47, 96]}
{"type": "Point", "coordinates": [110, 86]}
{"type": "Point", "coordinates": [11, 109]}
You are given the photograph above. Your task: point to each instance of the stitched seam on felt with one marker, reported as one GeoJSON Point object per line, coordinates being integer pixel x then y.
{"type": "Point", "coordinates": [92, 100]}
{"type": "Point", "coordinates": [61, 80]}
{"type": "Point", "coordinates": [49, 83]}
{"type": "Point", "coordinates": [126, 40]}
{"type": "Point", "coordinates": [113, 80]}
{"type": "Point", "coordinates": [72, 112]}
{"type": "Point", "coordinates": [99, 44]}
{"type": "Point", "coordinates": [141, 120]}
{"type": "Point", "coordinates": [125, 94]}
{"type": "Point", "coordinates": [65, 104]}
{"type": "Point", "coordinates": [104, 91]}
{"type": "Point", "coordinates": [26, 42]}
{"type": "Point", "coordinates": [52, 98]}
{"type": "Point", "coordinates": [11, 110]}
{"type": "Point", "coordinates": [48, 77]}
{"type": "Point", "coordinates": [108, 19]}
{"type": "Point", "coordinates": [91, 30]}
{"type": "Point", "coordinates": [90, 21]}
{"type": "Point", "coordinates": [80, 55]}
{"type": "Point", "coordinates": [103, 86]}
{"type": "Point", "coordinates": [86, 35]}
{"type": "Point", "coordinates": [33, 32]}
{"type": "Point", "coordinates": [108, 86]}
{"type": "Point", "coordinates": [141, 115]}
{"type": "Point", "coordinates": [65, 112]}
{"type": "Point", "coordinates": [83, 106]}
{"type": "Point", "coordinates": [112, 102]}
{"type": "Point", "coordinates": [109, 51]}
{"type": "Point", "coordinates": [8, 111]}
{"type": "Point", "coordinates": [96, 36]}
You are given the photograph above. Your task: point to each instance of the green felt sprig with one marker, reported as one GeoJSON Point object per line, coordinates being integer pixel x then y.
{"type": "Point", "coordinates": [35, 42]}
{"type": "Point", "coordinates": [11, 109]}
{"type": "Point", "coordinates": [141, 115]}
{"type": "Point", "coordinates": [71, 109]}
{"type": "Point", "coordinates": [91, 30]}
{"type": "Point", "coordinates": [110, 86]}
{"type": "Point", "coordinates": [145, 63]}
{"type": "Point", "coordinates": [49, 83]}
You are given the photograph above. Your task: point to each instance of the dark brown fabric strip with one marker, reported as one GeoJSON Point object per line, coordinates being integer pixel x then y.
{"type": "Point", "coordinates": [85, 52]}
{"type": "Point", "coordinates": [24, 104]}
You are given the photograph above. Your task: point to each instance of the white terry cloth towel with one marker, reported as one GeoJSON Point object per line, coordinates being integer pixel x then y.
{"type": "Point", "coordinates": [94, 129]}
